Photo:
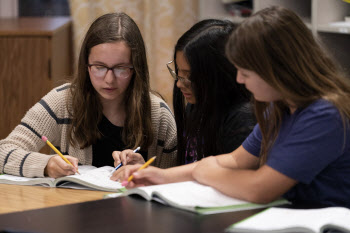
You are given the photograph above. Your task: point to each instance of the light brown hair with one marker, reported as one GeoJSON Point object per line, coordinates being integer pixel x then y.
{"type": "Point", "coordinates": [86, 106]}
{"type": "Point", "coordinates": [278, 46]}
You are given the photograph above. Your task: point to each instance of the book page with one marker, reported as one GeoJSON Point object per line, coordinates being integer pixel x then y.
{"type": "Point", "coordinates": [192, 194]}
{"type": "Point", "coordinates": [10, 179]}
{"type": "Point", "coordinates": [145, 192]}
{"type": "Point", "coordinates": [274, 219]}
{"type": "Point", "coordinates": [91, 177]}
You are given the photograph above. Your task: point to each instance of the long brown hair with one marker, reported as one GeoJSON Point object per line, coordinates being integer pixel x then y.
{"type": "Point", "coordinates": [278, 46]}
{"type": "Point", "coordinates": [86, 107]}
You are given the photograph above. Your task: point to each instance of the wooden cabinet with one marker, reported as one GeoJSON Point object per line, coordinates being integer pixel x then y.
{"type": "Point", "coordinates": [35, 54]}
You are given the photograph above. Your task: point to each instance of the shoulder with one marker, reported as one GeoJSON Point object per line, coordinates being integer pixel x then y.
{"type": "Point", "coordinates": [319, 110]}
{"type": "Point", "coordinates": [319, 122]}
{"type": "Point", "coordinates": [161, 115]}
{"type": "Point", "coordinates": [241, 108]}
{"type": "Point", "coordinates": [48, 113]}
{"type": "Point", "coordinates": [57, 98]}
{"type": "Point", "coordinates": [242, 113]}
{"type": "Point", "coordinates": [319, 106]}
{"type": "Point", "coordinates": [59, 92]}
{"type": "Point", "coordinates": [159, 106]}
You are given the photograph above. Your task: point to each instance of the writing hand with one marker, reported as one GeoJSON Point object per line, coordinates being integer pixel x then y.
{"type": "Point", "coordinates": [57, 167]}
{"type": "Point", "coordinates": [148, 176]}
{"type": "Point", "coordinates": [127, 157]}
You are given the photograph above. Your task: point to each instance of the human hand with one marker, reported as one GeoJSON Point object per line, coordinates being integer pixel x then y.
{"type": "Point", "coordinates": [148, 176]}
{"type": "Point", "coordinates": [57, 167]}
{"type": "Point", "coordinates": [127, 157]}
{"type": "Point", "coordinates": [119, 175]}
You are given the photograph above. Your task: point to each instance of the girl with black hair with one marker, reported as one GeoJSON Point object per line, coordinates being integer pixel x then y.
{"type": "Point", "coordinates": [217, 117]}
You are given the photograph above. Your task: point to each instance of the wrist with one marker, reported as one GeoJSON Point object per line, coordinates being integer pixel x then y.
{"type": "Point", "coordinates": [180, 173]}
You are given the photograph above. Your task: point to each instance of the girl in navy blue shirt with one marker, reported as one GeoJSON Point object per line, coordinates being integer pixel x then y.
{"type": "Point", "coordinates": [300, 148]}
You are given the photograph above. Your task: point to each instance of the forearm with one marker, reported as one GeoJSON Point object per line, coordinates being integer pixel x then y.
{"type": "Point", "coordinates": [180, 173]}
{"type": "Point", "coordinates": [153, 175]}
{"type": "Point", "coordinates": [255, 185]}
{"type": "Point", "coordinates": [20, 162]}
{"type": "Point", "coordinates": [232, 182]}
{"type": "Point", "coordinates": [19, 151]}
{"type": "Point", "coordinates": [227, 161]}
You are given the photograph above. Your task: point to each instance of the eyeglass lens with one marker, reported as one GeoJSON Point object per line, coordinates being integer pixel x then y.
{"type": "Point", "coordinates": [171, 68]}
{"type": "Point", "coordinates": [100, 71]}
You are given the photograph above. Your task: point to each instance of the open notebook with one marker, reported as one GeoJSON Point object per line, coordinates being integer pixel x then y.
{"type": "Point", "coordinates": [331, 219]}
{"type": "Point", "coordinates": [194, 197]}
{"type": "Point", "coordinates": [91, 178]}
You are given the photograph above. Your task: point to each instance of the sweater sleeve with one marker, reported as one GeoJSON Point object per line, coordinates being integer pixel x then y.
{"type": "Point", "coordinates": [19, 152]}
{"type": "Point", "coordinates": [165, 140]}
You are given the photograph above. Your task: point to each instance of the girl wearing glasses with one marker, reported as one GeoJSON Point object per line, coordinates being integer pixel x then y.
{"type": "Point", "coordinates": [212, 111]}
{"type": "Point", "coordinates": [107, 108]}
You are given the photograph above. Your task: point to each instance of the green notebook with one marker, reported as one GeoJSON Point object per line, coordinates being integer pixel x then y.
{"type": "Point", "coordinates": [194, 197]}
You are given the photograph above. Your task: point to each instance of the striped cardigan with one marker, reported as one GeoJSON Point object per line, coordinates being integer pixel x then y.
{"type": "Point", "coordinates": [19, 152]}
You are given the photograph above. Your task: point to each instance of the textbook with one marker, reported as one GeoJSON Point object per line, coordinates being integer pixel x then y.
{"type": "Point", "coordinates": [194, 197]}
{"type": "Point", "coordinates": [91, 178]}
{"type": "Point", "coordinates": [330, 219]}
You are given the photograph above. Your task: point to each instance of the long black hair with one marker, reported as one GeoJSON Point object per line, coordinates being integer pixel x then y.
{"type": "Point", "coordinates": [213, 83]}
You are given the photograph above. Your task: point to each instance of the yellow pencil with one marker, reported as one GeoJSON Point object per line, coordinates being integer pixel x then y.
{"type": "Point", "coordinates": [57, 151]}
{"type": "Point", "coordinates": [142, 167]}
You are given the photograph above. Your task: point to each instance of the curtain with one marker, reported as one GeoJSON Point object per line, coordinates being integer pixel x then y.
{"type": "Point", "coordinates": [161, 23]}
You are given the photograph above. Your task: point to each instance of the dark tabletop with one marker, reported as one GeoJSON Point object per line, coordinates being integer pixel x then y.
{"type": "Point", "coordinates": [126, 214]}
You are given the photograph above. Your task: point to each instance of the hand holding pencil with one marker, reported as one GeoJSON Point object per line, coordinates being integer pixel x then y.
{"type": "Point", "coordinates": [57, 166]}
{"type": "Point", "coordinates": [121, 163]}
{"type": "Point", "coordinates": [125, 183]}
{"type": "Point", "coordinates": [127, 157]}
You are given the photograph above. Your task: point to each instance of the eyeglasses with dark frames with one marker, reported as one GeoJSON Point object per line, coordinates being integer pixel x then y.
{"type": "Point", "coordinates": [185, 81]}
{"type": "Point", "coordinates": [100, 71]}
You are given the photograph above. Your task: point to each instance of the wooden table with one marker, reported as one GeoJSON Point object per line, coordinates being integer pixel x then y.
{"type": "Point", "coordinates": [19, 198]}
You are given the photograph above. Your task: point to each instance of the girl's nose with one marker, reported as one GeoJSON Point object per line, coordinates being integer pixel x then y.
{"type": "Point", "coordinates": [109, 77]}
{"type": "Point", "coordinates": [179, 84]}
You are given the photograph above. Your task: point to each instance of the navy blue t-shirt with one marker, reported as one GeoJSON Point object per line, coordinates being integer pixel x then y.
{"type": "Point", "coordinates": [311, 148]}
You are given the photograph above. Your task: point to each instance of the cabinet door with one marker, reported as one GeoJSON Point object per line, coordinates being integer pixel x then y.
{"type": "Point", "coordinates": [24, 77]}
